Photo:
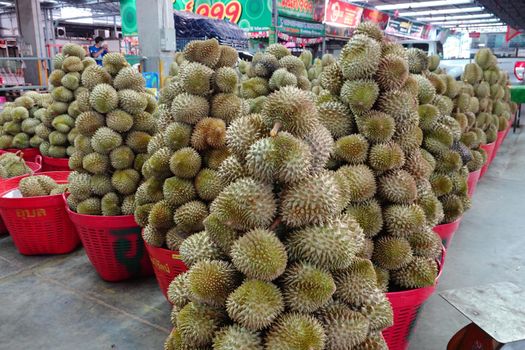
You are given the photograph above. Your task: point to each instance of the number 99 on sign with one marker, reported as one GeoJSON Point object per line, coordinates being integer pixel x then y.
{"type": "Point", "coordinates": [232, 11]}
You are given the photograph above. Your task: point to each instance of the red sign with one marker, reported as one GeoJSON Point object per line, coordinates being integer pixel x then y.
{"type": "Point", "coordinates": [375, 16]}
{"type": "Point", "coordinates": [343, 13]}
{"type": "Point", "coordinates": [511, 33]}
{"type": "Point", "coordinates": [474, 35]}
{"type": "Point", "coordinates": [519, 69]}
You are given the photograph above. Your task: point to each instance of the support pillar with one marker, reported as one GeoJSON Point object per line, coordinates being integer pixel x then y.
{"type": "Point", "coordinates": [156, 31]}
{"type": "Point", "coordinates": [32, 37]}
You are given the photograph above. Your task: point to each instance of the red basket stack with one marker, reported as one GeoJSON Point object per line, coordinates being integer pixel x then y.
{"type": "Point", "coordinates": [406, 305]}
{"type": "Point", "coordinates": [38, 225]}
{"type": "Point", "coordinates": [511, 122]}
{"type": "Point", "coordinates": [113, 244]}
{"type": "Point", "coordinates": [472, 182]}
{"type": "Point", "coordinates": [29, 154]}
{"type": "Point", "coordinates": [55, 164]}
{"type": "Point", "coordinates": [489, 149]}
{"type": "Point", "coordinates": [447, 231]}
{"type": "Point", "coordinates": [166, 265]}
{"type": "Point", "coordinates": [3, 229]}
{"type": "Point", "coordinates": [499, 141]}
{"type": "Point", "coordinates": [35, 168]}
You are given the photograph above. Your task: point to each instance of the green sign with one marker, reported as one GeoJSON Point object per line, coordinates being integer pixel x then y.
{"type": "Point", "coordinates": [309, 10]}
{"type": "Point", "coordinates": [303, 9]}
{"type": "Point", "coordinates": [128, 14]}
{"type": "Point", "coordinates": [300, 28]}
{"type": "Point", "coordinates": [250, 15]}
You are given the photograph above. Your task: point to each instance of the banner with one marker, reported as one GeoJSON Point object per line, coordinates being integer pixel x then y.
{"type": "Point", "coordinates": [300, 41]}
{"type": "Point", "coordinates": [398, 27]}
{"type": "Point", "coordinates": [342, 13]}
{"type": "Point", "coordinates": [128, 15]}
{"type": "Point", "coordinates": [250, 15]}
{"type": "Point", "coordinates": [416, 30]}
{"type": "Point", "coordinates": [376, 16]}
{"type": "Point", "coordinates": [310, 10]}
{"type": "Point", "coordinates": [300, 28]}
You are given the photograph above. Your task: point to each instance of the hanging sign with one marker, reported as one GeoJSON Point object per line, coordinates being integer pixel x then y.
{"type": "Point", "coordinates": [398, 26]}
{"type": "Point", "coordinates": [128, 15]}
{"type": "Point", "coordinates": [298, 40]}
{"type": "Point", "coordinates": [250, 15]}
{"type": "Point", "coordinates": [381, 18]}
{"type": "Point", "coordinates": [303, 9]}
{"type": "Point", "coordinates": [300, 28]}
{"type": "Point", "coordinates": [342, 13]}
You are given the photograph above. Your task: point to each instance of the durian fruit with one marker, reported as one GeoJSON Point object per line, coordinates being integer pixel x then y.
{"type": "Point", "coordinates": [489, 111]}
{"type": "Point", "coordinates": [270, 71]}
{"type": "Point", "coordinates": [285, 242]}
{"type": "Point", "coordinates": [111, 145]}
{"type": "Point", "coordinates": [417, 60]}
{"type": "Point", "coordinates": [19, 122]}
{"type": "Point", "coordinates": [70, 98]}
{"type": "Point", "coordinates": [39, 185]}
{"type": "Point", "coordinates": [397, 108]}
{"type": "Point", "coordinates": [183, 159]}
{"type": "Point", "coordinates": [12, 165]}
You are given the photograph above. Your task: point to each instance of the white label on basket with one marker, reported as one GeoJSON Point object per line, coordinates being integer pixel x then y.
{"type": "Point", "coordinates": [13, 194]}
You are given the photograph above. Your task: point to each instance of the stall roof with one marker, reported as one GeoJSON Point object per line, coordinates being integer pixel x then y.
{"type": "Point", "coordinates": [190, 26]}
{"type": "Point", "coordinates": [458, 14]}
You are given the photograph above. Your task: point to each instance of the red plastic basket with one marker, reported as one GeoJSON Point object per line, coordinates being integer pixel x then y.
{"type": "Point", "coordinates": [113, 245]}
{"type": "Point", "coordinates": [38, 225]}
{"type": "Point", "coordinates": [55, 164]}
{"type": "Point", "coordinates": [406, 306]}
{"type": "Point", "coordinates": [499, 141]}
{"type": "Point", "coordinates": [166, 265]}
{"type": "Point", "coordinates": [34, 166]}
{"type": "Point", "coordinates": [489, 148]}
{"type": "Point", "coordinates": [3, 229]}
{"type": "Point", "coordinates": [29, 154]}
{"type": "Point", "coordinates": [472, 182]}
{"type": "Point", "coordinates": [447, 231]}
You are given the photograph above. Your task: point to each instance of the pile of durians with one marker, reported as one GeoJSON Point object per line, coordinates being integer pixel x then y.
{"type": "Point", "coordinates": [279, 264]}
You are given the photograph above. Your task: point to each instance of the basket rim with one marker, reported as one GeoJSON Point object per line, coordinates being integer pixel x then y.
{"type": "Point", "coordinates": [20, 149]}
{"type": "Point", "coordinates": [100, 221]}
{"type": "Point", "coordinates": [54, 160]}
{"type": "Point", "coordinates": [35, 168]}
{"type": "Point", "coordinates": [488, 145]}
{"type": "Point", "coordinates": [471, 173]}
{"type": "Point", "coordinates": [455, 222]}
{"type": "Point", "coordinates": [29, 200]}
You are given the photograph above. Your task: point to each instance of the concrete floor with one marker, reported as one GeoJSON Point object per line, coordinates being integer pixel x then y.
{"type": "Point", "coordinates": [487, 248]}
{"type": "Point", "coordinates": [59, 302]}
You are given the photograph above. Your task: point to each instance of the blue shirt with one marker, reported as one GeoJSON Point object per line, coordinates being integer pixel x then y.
{"type": "Point", "coordinates": [93, 50]}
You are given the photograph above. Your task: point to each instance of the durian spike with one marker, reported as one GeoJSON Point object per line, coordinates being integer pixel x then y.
{"type": "Point", "coordinates": [275, 129]}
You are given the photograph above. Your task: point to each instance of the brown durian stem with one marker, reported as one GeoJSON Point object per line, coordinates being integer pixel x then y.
{"type": "Point", "coordinates": [275, 223]}
{"type": "Point", "coordinates": [275, 129]}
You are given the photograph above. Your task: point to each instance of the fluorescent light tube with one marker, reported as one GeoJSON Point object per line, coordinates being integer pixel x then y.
{"type": "Point", "coordinates": [487, 20]}
{"type": "Point", "coordinates": [423, 4]}
{"type": "Point", "coordinates": [450, 18]}
{"type": "Point", "coordinates": [442, 12]}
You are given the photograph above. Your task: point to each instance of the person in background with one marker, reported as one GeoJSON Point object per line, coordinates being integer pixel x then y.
{"type": "Point", "coordinates": [98, 50]}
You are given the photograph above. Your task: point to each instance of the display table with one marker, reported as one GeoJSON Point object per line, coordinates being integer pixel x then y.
{"type": "Point", "coordinates": [497, 311]}
{"type": "Point", "coordinates": [517, 95]}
